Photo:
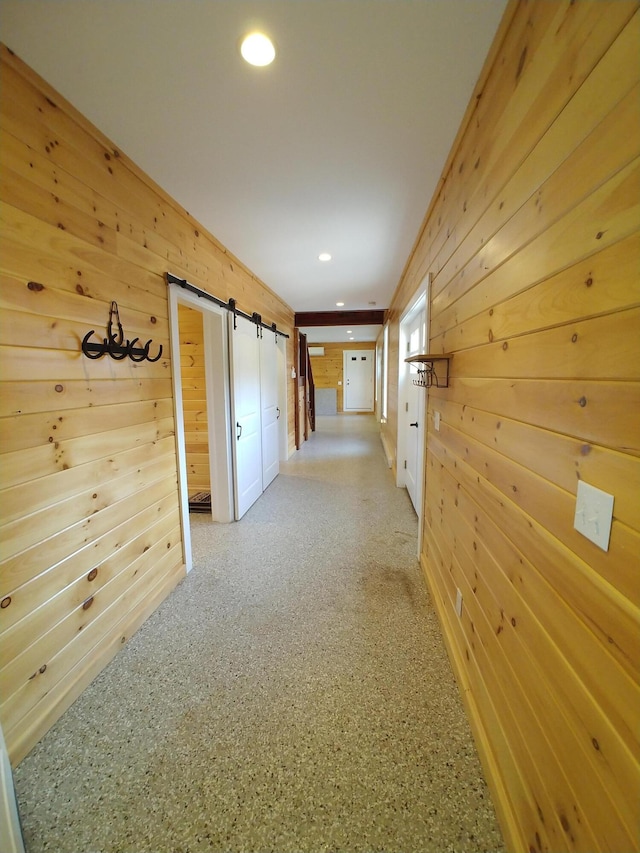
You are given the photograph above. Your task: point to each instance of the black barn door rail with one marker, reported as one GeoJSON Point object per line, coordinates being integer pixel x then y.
{"type": "Point", "coordinates": [230, 306]}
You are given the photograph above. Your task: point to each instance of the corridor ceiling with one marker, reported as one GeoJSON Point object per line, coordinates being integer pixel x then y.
{"type": "Point", "coordinates": [336, 147]}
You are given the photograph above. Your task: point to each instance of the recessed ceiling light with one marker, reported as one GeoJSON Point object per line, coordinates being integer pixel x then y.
{"type": "Point", "coordinates": [257, 49]}
{"type": "Point", "coordinates": [324, 256]}
{"type": "Point", "coordinates": [352, 339]}
{"type": "Point", "coordinates": [349, 331]}
{"type": "Point", "coordinates": [339, 304]}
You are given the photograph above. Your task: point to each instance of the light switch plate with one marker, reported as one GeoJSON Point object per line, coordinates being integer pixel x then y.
{"type": "Point", "coordinates": [436, 420]}
{"type": "Point", "coordinates": [594, 513]}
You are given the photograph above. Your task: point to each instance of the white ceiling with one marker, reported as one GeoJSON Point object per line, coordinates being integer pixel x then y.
{"type": "Point", "coordinates": [338, 146]}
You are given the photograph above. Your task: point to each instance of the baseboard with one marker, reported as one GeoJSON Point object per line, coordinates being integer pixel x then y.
{"type": "Point", "coordinates": [501, 801]}
{"type": "Point", "coordinates": [387, 450]}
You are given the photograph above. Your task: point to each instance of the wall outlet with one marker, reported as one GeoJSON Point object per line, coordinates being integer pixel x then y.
{"type": "Point", "coordinates": [594, 513]}
{"type": "Point", "coordinates": [459, 602]}
{"type": "Point", "coordinates": [436, 420]}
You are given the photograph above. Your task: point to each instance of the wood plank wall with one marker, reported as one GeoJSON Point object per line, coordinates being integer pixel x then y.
{"type": "Point", "coordinates": [194, 400]}
{"type": "Point", "coordinates": [90, 532]}
{"type": "Point", "coordinates": [533, 240]}
{"type": "Point", "coordinates": [328, 368]}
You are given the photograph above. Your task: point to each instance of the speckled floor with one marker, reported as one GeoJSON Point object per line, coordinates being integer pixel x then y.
{"type": "Point", "coordinates": [293, 694]}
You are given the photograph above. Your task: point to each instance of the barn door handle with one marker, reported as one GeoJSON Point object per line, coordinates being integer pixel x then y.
{"type": "Point", "coordinates": [278, 411]}
{"type": "Point", "coordinates": [239, 430]}
{"type": "Point", "coordinates": [415, 424]}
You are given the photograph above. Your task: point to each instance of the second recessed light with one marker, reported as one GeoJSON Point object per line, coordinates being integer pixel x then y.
{"type": "Point", "coordinates": [324, 256]}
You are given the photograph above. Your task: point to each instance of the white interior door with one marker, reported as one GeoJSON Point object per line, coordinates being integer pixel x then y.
{"type": "Point", "coordinates": [414, 434]}
{"type": "Point", "coordinates": [411, 417]}
{"type": "Point", "coordinates": [269, 404]}
{"type": "Point", "coordinates": [247, 432]}
{"type": "Point", "coordinates": [283, 378]}
{"type": "Point", "coordinates": [358, 380]}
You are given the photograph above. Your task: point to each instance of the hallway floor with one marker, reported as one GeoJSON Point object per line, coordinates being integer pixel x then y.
{"type": "Point", "coordinates": [292, 694]}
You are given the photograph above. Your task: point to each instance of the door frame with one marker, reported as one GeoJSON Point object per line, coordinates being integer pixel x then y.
{"type": "Point", "coordinates": [419, 302]}
{"type": "Point", "coordinates": [346, 354]}
{"type": "Point", "coordinates": [218, 391]}
{"type": "Point", "coordinates": [217, 385]}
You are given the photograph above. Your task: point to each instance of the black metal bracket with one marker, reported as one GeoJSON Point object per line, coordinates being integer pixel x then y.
{"type": "Point", "coordinates": [427, 376]}
{"type": "Point", "coordinates": [257, 319]}
{"type": "Point", "coordinates": [115, 346]}
{"type": "Point", "coordinates": [231, 305]}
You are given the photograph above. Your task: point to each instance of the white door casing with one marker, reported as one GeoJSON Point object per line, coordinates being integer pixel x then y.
{"type": "Point", "coordinates": [218, 411]}
{"type": "Point", "coordinates": [412, 408]}
{"type": "Point", "coordinates": [358, 373]}
{"type": "Point", "coordinates": [413, 412]}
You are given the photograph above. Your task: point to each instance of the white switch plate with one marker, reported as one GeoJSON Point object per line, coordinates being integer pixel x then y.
{"type": "Point", "coordinates": [594, 512]}
{"type": "Point", "coordinates": [436, 420]}
{"type": "Point", "coordinates": [459, 602]}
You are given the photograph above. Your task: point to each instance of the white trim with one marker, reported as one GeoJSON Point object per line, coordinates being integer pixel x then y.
{"type": "Point", "coordinates": [346, 355]}
{"type": "Point", "coordinates": [216, 357]}
{"type": "Point", "coordinates": [174, 339]}
{"type": "Point", "coordinates": [419, 303]}
{"type": "Point", "coordinates": [10, 830]}
{"type": "Point", "coordinates": [387, 450]}
{"type": "Point", "coordinates": [218, 409]}
{"type": "Point", "coordinates": [385, 372]}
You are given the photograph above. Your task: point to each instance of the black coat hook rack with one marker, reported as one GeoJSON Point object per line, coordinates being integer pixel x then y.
{"type": "Point", "coordinates": [427, 376]}
{"type": "Point", "coordinates": [115, 346]}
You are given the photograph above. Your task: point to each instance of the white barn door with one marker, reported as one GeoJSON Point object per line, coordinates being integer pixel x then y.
{"type": "Point", "coordinates": [269, 388]}
{"type": "Point", "coordinates": [244, 347]}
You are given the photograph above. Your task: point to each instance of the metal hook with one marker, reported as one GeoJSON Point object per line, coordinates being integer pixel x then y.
{"type": "Point", "coordinates": [92, 350]}
{"type": "Point", "coordinates": [113, 312]}
{"type": "Point", "coordinates": [114, 345]}
{"type": "Point", "coordinates": [137, 355]}
{"type": "Point", "coordinates": [146, 347]}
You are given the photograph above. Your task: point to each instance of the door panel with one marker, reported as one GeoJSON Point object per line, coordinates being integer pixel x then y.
{"type": "Point", "coordinates": [270, 413]}
{"type": "Point", "coordinates": [414, 435]}
{"type": "Point", "coordinates": [247, 433]}
{"type": "Point", "coordinates": [358, 380]}
{"type": "Point", "coordinates": [414, 410]}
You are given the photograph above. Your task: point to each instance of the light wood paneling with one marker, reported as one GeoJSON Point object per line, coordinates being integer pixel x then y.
{"type": "Point", "coordinates": [196, 423]}
{"type": "Point", "coordinates": [533, 240]}
{"type": "Point", "coordinates": [90, 531]}
{"type": "Point", "coordinates": [328, 368]}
